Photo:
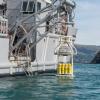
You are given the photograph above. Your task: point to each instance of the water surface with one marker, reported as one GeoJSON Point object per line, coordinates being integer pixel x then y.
{"type": "Point", "coordinates": [84, 86]}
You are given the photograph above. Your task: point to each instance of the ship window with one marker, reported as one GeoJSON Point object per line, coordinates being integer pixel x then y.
{"type": "Point", "coordinates": [24, 6]}
{"type": "Point", "coordinates": [31, 6]}
{"type": "Point", "coordinates": [28, 7]}
{"type": "Point", "coordinates": [38, 6]}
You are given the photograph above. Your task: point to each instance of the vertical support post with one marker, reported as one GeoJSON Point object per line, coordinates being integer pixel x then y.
{"type": "Point", "coordinates": [11, 70]}
{"type": "Point", "coordinates": [0, 26]}
{"type": "Point", "coordinates": [45, 52]}
{"type": "Point", "coordinates": [72, 58]}
{"type": "Point", "coordinates": [72, 65]}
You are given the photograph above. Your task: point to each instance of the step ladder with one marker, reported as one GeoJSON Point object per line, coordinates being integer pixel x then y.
{"type": "Point", "coordinates": [23, 62]}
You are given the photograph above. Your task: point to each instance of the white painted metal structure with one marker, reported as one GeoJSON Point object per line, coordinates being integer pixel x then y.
{"type": "Point", "coordinates": [35, 27]}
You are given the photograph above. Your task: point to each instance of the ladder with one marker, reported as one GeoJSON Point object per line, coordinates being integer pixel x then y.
{"type": "Point", "coordinates": [23, 62]}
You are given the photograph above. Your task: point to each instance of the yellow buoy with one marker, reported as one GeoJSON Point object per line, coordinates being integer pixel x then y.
{"type": "Point", "coordinates": [66, 68]}
{"type": "Point", "coordinates": [62, 72]}
{"type": "Point", "coordinates": [70, 69]}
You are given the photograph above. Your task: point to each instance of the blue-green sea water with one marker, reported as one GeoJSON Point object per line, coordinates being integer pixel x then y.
{"type": "Point", "coordinates": [84, 86]}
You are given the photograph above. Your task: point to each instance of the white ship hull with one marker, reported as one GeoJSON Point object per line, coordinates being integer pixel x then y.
{"type": "Point", "coordinates": [45, 58]}
{"type": "Point", "coordinates": [39, 37]}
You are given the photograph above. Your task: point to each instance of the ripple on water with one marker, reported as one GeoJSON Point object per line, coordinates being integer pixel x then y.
{"type": "Point", "coordinates": [84, 86]}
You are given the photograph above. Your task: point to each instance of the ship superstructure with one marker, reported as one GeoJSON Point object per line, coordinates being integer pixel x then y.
{"type": "Point", "coordinates": [41, 35]}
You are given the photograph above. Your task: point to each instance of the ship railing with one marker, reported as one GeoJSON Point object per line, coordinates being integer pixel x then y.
{"type": "Point", "coordinates": [3, 25]}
